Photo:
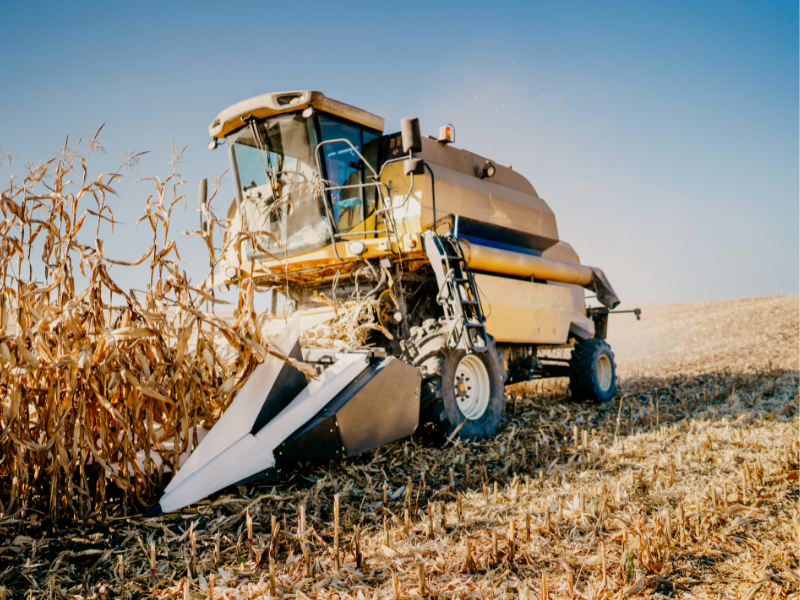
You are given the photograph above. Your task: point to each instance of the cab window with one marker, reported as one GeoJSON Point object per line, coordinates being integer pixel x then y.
{"type": "Point", "coordinates": [343, 167]}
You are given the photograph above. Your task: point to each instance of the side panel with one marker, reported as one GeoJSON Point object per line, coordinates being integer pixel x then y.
{"type": "Point", "coordinates": [506, 205]}
{"type": "Point", "coordinates": [581, 327]}
{"type": "Point", "coordinates": [379, 406]}
{"type": "Point", "coordinates": [384, 410]}
{"type": "Point", "coordinates": [406, 215]}
{"type": "Point", "coordinates": [485, 201]}
{"type": "Point", "coordinates": [523, 312]}
{"type": "Point", "coordinates": [318, 440]}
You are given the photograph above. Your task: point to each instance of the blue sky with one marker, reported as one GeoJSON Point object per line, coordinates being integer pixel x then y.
{"type": "Point", "coordinates": [664, 136]}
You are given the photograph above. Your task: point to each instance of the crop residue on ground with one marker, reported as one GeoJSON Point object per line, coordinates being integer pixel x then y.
{"type": "Point", "coordinates": [685, 486]}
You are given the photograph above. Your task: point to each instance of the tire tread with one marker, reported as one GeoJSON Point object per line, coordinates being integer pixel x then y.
{"type": "Point", "coordinates": [582, 374]}
{"type": "Point", "coordinates": [430, 357]}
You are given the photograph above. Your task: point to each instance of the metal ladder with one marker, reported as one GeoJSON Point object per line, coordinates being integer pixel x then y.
{"type": "Point", "coordinates": [458, 294]}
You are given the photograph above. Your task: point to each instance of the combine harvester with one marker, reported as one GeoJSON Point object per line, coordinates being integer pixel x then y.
{"type": "Point", "coordinates": [460, 258]}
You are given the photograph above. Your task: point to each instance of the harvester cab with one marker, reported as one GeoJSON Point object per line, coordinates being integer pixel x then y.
{"type": "Point", "coordinates": [415, 281]}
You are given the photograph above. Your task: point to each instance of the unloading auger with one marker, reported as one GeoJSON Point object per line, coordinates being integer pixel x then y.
{"type": "Point", "coordinates": [460, 258]}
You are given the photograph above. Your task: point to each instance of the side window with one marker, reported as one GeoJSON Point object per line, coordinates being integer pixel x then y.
{"type": "Point", "coordinates": [343, 168]}
{"type": "Point", "coordinates": [370, 152]}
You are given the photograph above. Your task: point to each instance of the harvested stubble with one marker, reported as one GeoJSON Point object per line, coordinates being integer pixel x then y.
{"type": "Point", "coordinates": [723, 441]}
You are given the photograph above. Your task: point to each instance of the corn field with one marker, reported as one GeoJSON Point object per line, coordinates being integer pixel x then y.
{"type": "Point", "coordinates": [93, 375]}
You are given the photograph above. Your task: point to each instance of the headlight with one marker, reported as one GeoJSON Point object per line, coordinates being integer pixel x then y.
{"type": "Point", "coordinates": [357, 247]}
{"type": "Point", "coordinates": [487, 171]}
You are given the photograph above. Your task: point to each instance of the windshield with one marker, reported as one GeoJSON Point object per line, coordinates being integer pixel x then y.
{"type": "Point", "coordinates": [275, 170]}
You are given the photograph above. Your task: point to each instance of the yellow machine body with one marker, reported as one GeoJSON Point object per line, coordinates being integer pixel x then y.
{"type": "Point", "coordinates": [530, 281]}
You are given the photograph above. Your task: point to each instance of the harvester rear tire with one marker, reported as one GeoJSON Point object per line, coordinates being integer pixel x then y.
{"type": "Point", "coordinates": [440, 412]}
{"type": "Point", "coordinates": [592, 371]}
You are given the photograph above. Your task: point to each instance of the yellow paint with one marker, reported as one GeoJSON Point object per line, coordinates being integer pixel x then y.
{"type": "Point", "coordinates": [496, 260]}
{"type": "Point", "coordinates": [408, 216]}
{"type": "Point", "coordinates": [367, 224]}
{"type": "Point", "coordinates": [525, 312]}
{"type": "Point", "coordinates": [407, 219]}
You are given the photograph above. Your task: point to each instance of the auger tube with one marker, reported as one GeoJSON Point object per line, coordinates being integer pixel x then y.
{"type": "Point", "coordinates": [507, 262]}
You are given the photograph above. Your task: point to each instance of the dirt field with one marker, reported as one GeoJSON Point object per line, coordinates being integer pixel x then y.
{"type": "Point", "coordinates": [746, 335]}
{"type": "Point", "coordinates": [685, 486]}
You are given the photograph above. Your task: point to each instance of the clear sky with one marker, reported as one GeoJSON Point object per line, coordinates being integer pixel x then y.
{"type": "Point", "coordinates": [663, 135]}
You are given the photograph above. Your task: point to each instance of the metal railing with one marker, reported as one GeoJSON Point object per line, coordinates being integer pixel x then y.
{"type": "Point", "coordinates": [387, 209]}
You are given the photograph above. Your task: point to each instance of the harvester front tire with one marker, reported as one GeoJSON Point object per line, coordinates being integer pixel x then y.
{"type": "Point", "coordinates": [443, 370]}
{"type": "Point", "coordinates": [592, 371]}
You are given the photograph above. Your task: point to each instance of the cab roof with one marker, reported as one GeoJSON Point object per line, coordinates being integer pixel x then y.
{"type": "Point", "coordinates": [276, 103]}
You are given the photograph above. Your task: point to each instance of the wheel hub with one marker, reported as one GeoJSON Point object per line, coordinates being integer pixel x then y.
{"type": "Point", "coordinates": [605, 372]}
{"type": "Point", "coordinates": [472, 387]}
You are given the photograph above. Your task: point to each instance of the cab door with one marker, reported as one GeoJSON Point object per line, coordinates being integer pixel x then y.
{"type": "Point", "coordinates": [353, 208]}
